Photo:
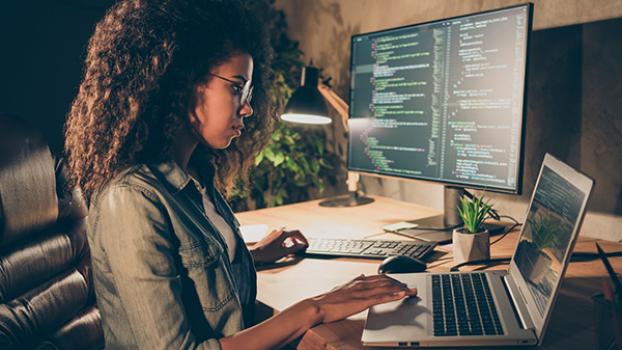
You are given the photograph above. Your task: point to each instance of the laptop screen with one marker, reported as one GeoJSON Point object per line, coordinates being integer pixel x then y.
{"type": "Point", "coordinates": [555, 211]}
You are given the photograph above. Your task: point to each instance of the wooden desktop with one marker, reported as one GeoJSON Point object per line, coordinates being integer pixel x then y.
{"type": "Point", "coordinates": [572, 325]}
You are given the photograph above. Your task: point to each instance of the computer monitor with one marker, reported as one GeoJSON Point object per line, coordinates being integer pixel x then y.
{"type": "Point", "coordinates": [443, 101]}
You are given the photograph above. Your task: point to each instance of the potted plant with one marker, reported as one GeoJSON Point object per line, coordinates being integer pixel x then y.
{"type": "Point", "coordinates": [472, 241]}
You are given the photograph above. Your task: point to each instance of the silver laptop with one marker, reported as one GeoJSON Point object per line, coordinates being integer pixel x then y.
{"type": "Point", "coordinates": [496, 307]}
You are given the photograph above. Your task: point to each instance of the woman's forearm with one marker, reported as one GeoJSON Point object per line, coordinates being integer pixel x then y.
{"type": "Point", "coordinates": [257, 257]}
{"type": "Point", "coordinates": [349, 299]}
{"type": "Point", "coordinates": [278, 330]}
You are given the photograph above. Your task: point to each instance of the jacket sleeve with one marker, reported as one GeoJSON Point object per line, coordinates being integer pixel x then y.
{"type": "Point", "coordinates": [135, 233]}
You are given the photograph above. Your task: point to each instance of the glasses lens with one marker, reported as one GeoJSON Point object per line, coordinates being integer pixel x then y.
{"type": "Point", "coordinates": [247, 93]}
{"type": "Point", "coordinates": [247, 88]}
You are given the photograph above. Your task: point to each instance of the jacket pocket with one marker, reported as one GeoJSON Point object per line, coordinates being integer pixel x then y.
{"type": "Point", "coordinates": [197, 254]}
{"type": "Point", "coordinates": [207, 268]}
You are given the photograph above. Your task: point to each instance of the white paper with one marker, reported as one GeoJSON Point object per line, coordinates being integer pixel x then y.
{"type": "Point", "coordinates": [253, 233]}
{"type": "Point", "coordinates": [402, 225]}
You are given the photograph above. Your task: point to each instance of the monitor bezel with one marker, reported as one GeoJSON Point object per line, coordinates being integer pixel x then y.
{"type": "Point", "coordinates": [519, 179]}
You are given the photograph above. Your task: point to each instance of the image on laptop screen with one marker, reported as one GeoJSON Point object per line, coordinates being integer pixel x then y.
{"type": "Point", "coordinates": [546, 235]}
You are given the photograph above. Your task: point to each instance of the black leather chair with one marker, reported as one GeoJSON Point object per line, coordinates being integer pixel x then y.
{"type": "Point", "coordinates": [46, 291]}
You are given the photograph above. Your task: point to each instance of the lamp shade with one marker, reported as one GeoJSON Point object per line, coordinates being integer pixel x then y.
{"type": "Point", "coordinates": [307, 106]}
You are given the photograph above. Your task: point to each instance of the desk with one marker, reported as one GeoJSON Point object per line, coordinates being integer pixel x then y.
{"type": "Point", "coordinates": [571, 326]}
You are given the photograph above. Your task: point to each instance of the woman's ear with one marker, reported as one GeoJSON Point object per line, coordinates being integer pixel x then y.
{"type": "Point", "coordinates": [196, 100]}
{"type": "Point", "coordinates": [193, 119]}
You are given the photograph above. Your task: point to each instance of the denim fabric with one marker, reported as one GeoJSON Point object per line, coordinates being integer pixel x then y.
{"type": "Point", "coordinates": [163, 279]}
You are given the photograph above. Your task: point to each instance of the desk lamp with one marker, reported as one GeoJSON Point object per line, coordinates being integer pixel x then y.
{"type": "Point", "coordinates": [306, 106]}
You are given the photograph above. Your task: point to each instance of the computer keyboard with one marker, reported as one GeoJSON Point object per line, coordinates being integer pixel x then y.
{"type": "Point", "coordinates": [367, 248]}
{"type": "Point", "coordinates": [463, 305]}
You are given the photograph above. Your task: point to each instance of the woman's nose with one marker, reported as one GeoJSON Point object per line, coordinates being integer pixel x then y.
{"type": "Point", "coordinates": [246, 110]}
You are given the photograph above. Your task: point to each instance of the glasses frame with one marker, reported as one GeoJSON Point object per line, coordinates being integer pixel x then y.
{"type": "Point", "coordinates": [247, 88]}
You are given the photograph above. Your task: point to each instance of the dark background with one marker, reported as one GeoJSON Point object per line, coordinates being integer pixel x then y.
{"type": "Point", "coordinates": [43, 46]}
{"type": "Point", "coordinates": [574, 90]}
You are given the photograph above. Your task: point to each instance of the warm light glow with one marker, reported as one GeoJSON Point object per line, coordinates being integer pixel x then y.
{"type": "Point", "coordinates": [305, 118]}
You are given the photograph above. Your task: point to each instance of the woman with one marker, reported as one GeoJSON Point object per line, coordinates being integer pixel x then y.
{"type": "Point", "coordinates": [172, 108]}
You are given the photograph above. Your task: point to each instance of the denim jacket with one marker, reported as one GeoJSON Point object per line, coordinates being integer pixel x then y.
{"type": "Point", "coordinates": [163, 279]}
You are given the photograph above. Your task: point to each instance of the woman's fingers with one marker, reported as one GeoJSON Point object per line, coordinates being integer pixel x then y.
{"type": "Point", "coordinates": [293, 241]}
{"type": "Point", "coordinates": [271, 237]}
{"type": "Point", "coordinates": [299, 237]}
{"type": "Point", "coordinates": [276, 234]}
{"type": "Point", "coordinates": [375, 297]}
{"type": "Point", "coordinates": [377, 289]}
{"type": "Point", "coordinates": [369, 281]}
{"type": "Point", "coordinates": [379, 292]}
{"type": "Point", "coordinates": [342, 303]}
{"type": "Point", "coordinates": [295, 236]}
{"type": "Point", "coordinates": [380, 284]}
{"type": "Point", "coordinates": [385, 298]}
{"type": "Point", "coordinates": [294, 248]}
{"type": "Point", "coordinates": [361, 293]}
{"type": "Point", "coordinates": [369, 289]}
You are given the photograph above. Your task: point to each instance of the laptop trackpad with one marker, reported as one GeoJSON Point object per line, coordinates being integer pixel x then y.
{"type": "Point", "coordinates": [404, 313]}
{"type": "Point", "coordinates": [403, 320]}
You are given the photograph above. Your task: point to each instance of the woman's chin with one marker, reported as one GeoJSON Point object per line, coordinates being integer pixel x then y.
{"type": "Point", "coordinates": [226, 143]}
{"type": "Point", "coordinates": [220, 144]}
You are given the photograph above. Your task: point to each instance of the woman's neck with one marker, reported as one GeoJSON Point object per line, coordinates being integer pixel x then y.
{"type": "Point", "coordinates": [183, 147]}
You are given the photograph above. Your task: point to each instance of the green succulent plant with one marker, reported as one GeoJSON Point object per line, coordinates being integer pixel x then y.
{"type": "Point", "coordinates": [473, 211]}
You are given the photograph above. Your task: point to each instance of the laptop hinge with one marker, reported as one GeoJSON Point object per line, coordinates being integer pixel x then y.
{"type": "Point", "coordinates": [518, 302]}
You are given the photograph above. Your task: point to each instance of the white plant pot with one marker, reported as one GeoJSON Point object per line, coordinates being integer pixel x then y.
{"type": "Point", "coordinates": [470, 246]}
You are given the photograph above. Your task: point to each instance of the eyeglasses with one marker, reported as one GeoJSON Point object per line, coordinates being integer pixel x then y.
{"type": "Point", "coordinates": [245, 91]}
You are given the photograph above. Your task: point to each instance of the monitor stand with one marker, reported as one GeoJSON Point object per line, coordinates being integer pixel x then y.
{"type": "Point", "coordinates": [439, 228]}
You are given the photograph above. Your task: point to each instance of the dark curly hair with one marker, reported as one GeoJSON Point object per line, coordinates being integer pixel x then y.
{"type": "Point", "coordinates": [142, 64]}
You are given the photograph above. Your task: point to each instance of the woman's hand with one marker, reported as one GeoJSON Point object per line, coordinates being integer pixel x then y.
{"type": "Point", "coordinates": [278, 244]}
{"type": "Point", "coordinates": [291, 323]}
{"type": "Point", "coordinates": [358, 295]}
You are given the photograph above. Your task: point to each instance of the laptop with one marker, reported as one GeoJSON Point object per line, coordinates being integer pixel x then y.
{"type": "Point", "coordinates": [494, 308]}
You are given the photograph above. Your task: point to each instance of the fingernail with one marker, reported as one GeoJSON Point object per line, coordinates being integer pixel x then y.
{"type": "Point", "coordinates": [401, 294]}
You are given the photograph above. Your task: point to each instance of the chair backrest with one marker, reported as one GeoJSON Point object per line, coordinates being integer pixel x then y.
{"type": "Point", "coordinates": [46, 291]}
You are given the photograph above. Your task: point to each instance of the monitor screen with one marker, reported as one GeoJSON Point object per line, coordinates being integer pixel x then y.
{"type": "Point", "coordinates": [442, 101]}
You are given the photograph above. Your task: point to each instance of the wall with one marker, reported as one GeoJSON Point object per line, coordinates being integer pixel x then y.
{"type": "Point", "coordinates": [43, 50]}
{"type": "Point", "coordinates": [573, 107]}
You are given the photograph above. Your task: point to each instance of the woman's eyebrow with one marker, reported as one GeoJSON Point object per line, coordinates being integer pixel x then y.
{"type": "Point", "coordinates": [242, 78]}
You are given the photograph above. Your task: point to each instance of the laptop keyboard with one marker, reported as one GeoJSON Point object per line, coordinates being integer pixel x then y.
{"type": "Point", "coordinates": [366, 248]}
{"type": "Point", "coordinates": [463, 305]}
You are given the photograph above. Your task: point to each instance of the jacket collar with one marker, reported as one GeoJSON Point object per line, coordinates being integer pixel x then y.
{"type": "Point", "coordinates": [178, 179]}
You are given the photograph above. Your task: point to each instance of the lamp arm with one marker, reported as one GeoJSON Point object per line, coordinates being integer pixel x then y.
{"type": "Point", "coordinates": [336, 102]}
{"type": "Point", "coordinates": [342, 109]}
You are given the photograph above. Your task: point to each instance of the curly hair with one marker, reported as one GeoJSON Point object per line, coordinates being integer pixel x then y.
{"type": "Point", "coordinates": [143, 61]}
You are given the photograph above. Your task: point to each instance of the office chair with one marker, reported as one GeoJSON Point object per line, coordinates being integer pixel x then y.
{"type": "Point", "coordinates": [46, 290]}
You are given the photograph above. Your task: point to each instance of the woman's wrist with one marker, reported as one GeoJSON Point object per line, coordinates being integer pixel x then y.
{"type": "Point", "coordinates": [257, 255]}
{"type": "Point", "coordinates": [312, 310]}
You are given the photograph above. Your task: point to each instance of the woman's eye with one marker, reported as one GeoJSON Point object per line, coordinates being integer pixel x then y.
{"type": "Point", "coordinates": [237, 89]}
